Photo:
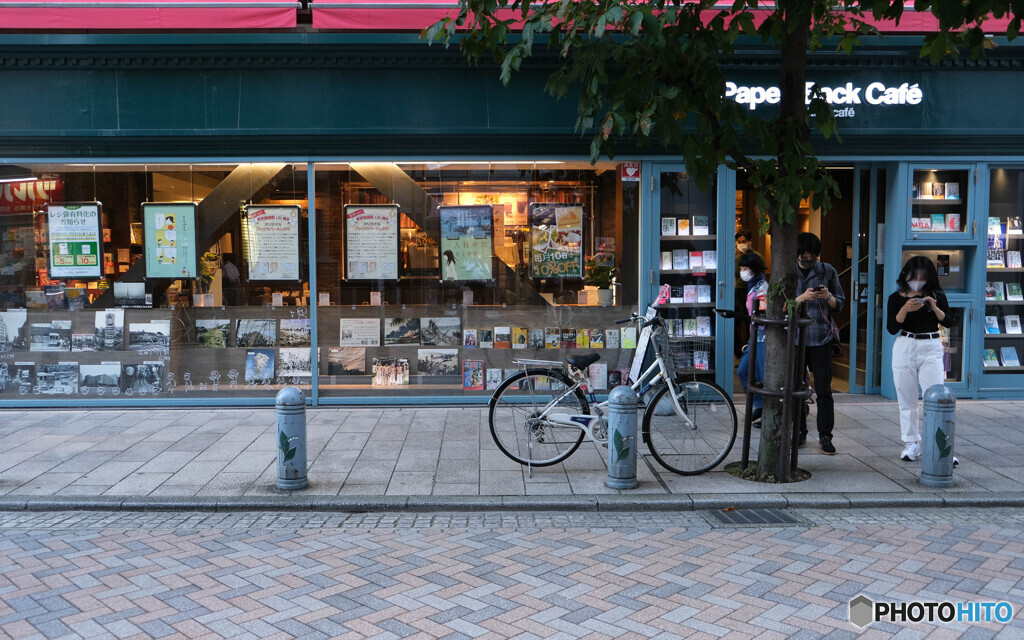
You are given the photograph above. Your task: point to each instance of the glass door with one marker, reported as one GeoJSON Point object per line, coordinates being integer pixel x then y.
{"type": "Point", "coordinates": [867, 279]}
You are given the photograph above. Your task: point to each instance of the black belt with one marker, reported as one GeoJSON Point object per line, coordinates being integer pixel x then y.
{"type": "Point", "coordinates": [920, 336]}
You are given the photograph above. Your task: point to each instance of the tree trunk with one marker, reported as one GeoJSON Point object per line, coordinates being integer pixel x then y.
{"type": "Point", "coordinates": [794, 132]}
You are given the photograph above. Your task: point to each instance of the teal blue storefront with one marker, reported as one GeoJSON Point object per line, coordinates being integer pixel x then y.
{"type": "Point", "coordinates": [320, 121]}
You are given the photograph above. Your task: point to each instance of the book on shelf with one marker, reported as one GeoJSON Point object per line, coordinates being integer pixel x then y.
{"type": "Point", "coordinates": [952, 222]}
{"type": "Point", "coordinates": [991, 324]}
{"type": "Point", "coordinates": [611, 339]}
{"type": "Point", "coordinates": [628, 340]}
{"type": "Point", "coordinates": [486, 338]}
{"type": "Point", "coordinates": [991, 360]}
{"type": "Point", "coordinates": [680, 259]}
{"type": "Point", "coordinates": [915, 190]}
{"type": "Point", "coordinates": [1013, 259]}
{"type": "Point", "coordinates": [676, 295]}
{"type": "Point", "coordinates": [568, 338]}
{"type": "Point", "coordinates": [938, 190]}
{"type": "Point", "coordinates": [701, 360]}
{"type": "Point", "coordinates": [697, 261]}
{"type": "Point", "coordinates": [520, 337]}
{"type": "Point", "coordinates": [690, 328]}
{"type": "Point", "coordinates": [690, 293]}
{"type": "Point", "coordinates": [995, 227]}
{"type": "Point", "coordinates": [938, 222]}
{"type": "Point", "coordinates": [683, 226]}
{"type": "Point", "coordinates": [502, 337]}
{"type": "Point", "coordinates": [597, 338]}
{"type": "Point", "coordinates": [1013, 226]}
{"type": "Point", "coordinates": [666, 261]}
{"type": "Point", "coordinates": [994, 290]}
{"type": "Point", "coordinates": [704, 326]}
{"type": "Point", "coordinates": [552, 337]}
{"type": "Point", "coordinates": [952, 191]}
{"type": "Point", "coordinates": [710, 260]}
{"type": "Point", "coordinates": [1013, 291]}
{"type": "Point", "coordinates": [597, 376]}
{"type": "Point", "coordinates": [583, 338]}
{"type": "Point", "coordinates": [1012, 324]}
{"type": "Point", "coordinates": [924, 224]}
{"type": "Point", "coordinates": [668, 226]}
{"type": "Point", "coordinates": [1009, 357]}
{"type": "Point", "coordinates": [700, 225]}
{"type": "Point", "coordinates": [703, 293]}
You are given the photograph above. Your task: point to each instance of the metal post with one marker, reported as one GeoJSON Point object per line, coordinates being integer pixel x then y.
{"type": "Point", "coordinates": [622, 404]}
{"type": "Point", "coordinates": [937, 437]}
{"type": "Point", "coordinates": [291, 439]}
{"type": "Point", "coordinates": [751, 364]}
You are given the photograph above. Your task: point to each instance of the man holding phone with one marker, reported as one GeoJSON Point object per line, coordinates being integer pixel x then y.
{"type": "Point", "coordinates": [820, 291]}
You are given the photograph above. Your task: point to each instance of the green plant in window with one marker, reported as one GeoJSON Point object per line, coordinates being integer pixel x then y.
{"type": "Point", "coordinates": [599, 274]}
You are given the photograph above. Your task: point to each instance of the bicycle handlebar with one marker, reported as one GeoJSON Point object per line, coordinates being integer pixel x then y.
{"type": "Point", "coordinates": [629, 319]}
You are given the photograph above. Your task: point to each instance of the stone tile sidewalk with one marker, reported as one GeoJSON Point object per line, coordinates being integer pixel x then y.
{"type": "Point", "coordinates": [421, 458]}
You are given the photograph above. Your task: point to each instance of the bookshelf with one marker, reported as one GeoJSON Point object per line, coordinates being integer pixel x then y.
{"type": "Point", "coordinates": [938, 202]}
{"type": "Point", "coordinates": [1004, 275]}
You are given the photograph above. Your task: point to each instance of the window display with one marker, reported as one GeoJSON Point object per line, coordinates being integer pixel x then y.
{"type": "Point", "coordinates": [938, 202]}
{"type": "Point", "coordinates": [1004, 275]}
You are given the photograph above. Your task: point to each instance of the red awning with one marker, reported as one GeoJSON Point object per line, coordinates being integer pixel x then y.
{"type": "Point", "coordinates": [415, 15]}
{"type": "Point", "coordinates": [142, 15]}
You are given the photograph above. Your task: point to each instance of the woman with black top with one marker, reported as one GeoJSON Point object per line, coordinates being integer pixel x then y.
{"type": "Point", "coordinates": [913, 315]}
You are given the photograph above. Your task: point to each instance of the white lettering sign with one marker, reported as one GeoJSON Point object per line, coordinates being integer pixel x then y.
{"type": "Point", "coordinates": [876, 93]}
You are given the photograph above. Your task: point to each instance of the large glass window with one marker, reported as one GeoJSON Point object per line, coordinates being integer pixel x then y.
{"type": "Point", "coordinates": [171, 281]}
{"type": "Point", "coordinates": [1004, 276]}
{"type": "Point", "coordinates": [432, 279]}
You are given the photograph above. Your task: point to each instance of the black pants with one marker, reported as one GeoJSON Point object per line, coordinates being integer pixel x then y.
{"type": "Point", "coordinates": [819, 361]}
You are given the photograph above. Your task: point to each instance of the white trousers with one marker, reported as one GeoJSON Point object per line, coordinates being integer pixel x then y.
{"type": "Point", "coordinates": [915, 362]}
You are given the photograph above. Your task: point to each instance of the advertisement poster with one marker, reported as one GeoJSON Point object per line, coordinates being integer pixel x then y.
{"type": "Point", "coordinates": [272, 242]}
{"type": "Point", "coordinates": [466, 239]}
{"type": "Point", "coordinates": [556, 240]}
{"type": "Point", "coordinates": [371, 242]}
{"type": "Point", "coordinates": [169, 230]}
{"type": "Point", "coordinates": [25, 196]}
{"type": "Point", "coordinates": [74, 240]}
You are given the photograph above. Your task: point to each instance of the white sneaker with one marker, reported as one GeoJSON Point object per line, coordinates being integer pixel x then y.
{"type": "Point", "coordinates": [911, 452]}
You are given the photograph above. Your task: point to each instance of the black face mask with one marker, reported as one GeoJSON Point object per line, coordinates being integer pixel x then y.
{"type": "Point", "coordinates": [805, 266]}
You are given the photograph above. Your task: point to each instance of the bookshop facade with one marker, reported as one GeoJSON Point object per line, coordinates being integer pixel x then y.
{"type": "Point", "coordinates": [312, 210]}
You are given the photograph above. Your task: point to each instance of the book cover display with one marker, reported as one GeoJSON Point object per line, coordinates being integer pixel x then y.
{"type": "Point", "coordinates": [466, 242]}
{"type": "Point", "coordinates": [556, 240]}
{"type": "Point", "coordinates": [169, 238]}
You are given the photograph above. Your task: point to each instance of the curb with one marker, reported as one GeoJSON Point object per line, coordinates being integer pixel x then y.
{"type": "Point", "coordinates": [577, 503]}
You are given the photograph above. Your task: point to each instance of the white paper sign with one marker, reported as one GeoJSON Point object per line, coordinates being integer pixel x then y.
{"type": "Point", "coordinates": [371, 242]}
{"type": "Point", "coordinates": [74, 240]}
{"type": "Point", "coordinates": [360, 332]}
{"type": "Point", "coordinates": [273, 242]}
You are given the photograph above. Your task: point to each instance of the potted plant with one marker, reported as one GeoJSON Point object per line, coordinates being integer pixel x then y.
{"type": "Point", "coordinates": [600, 275]}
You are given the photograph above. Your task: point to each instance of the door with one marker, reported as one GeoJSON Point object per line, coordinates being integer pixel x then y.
{"type": "Point", "coordinates": [867, 279]}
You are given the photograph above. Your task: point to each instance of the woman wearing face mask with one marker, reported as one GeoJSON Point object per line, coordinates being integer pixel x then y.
{"type": "Point", "coordinates": [751, 271]}
{"type": "Point", "coordinates": [914, 313]}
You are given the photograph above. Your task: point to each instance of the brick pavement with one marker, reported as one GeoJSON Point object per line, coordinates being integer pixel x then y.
{"type": "Point", "coordinates": [438, 452]}
{"type": "Point", "coordinates": [98, 576]}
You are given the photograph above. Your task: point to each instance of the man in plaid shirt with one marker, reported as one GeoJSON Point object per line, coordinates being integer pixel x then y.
{"type": "Point", "coordinates": [821, 296]}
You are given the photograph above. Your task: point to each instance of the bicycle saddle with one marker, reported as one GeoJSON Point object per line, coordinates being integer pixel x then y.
{"type": "Point", "coordinates": [582, 362]}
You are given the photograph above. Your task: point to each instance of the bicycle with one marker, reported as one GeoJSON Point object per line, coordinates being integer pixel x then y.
{"type": "Point", "coordinates": [540, 415]}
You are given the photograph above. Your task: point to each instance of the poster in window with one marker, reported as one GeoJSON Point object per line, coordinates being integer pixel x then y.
{"type": "Point", "coordinates": [169, 235]}
{"type": "Point", "coordinates": [371, 242]}
{"type": "Point", "coordinates": [467, 234]}
{"type": "Point", "coordinates": [74, 230]}
{"type": "Point", "coordinates": [272, 242]}
{"type": "Point", "coordinates": [556, 240]}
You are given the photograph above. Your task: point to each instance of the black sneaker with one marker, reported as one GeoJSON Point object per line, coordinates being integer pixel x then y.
{"type": "Point", "coordinates": [755, 418]}
{"type": "Point", "coordinates": [826, 446]}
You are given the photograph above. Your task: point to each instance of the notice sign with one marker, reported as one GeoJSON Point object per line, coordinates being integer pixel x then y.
{"type": "Point", "coordinates": [556, 240]}
{"type": "Point", "coordinates": [272, 242]}
{"type": "Point", "coordinates": [169, 230]}
{"type": "Point", "coordinates": [630, 172]}
{"type": "Point", "coordinates": [466, 239]}
{"type": "Point", "coordinates": [371, 242]}
{"type": "Point", "coordinates": [74, 240]}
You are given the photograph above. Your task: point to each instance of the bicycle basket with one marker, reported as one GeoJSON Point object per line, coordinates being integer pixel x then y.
{"type": "Point", "coordinates": [688, 355]}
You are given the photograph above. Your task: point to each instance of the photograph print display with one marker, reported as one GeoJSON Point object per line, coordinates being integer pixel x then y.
{"type": "Point", "coordinates": [130, 294]}
{"type": "Point", "coordinates": [151, 338]}
{"type": "Point", "coordinates": [83, 342]}
{"type": "Point", "coordinates": [212, 333]}
{"type": "Point", "coordinates": [256, 332]}
{"type": "Point", "coordinates": [346, 361]}
{"type": "Point", "coordinates": [109, 329]}
{"type": "Point", "coordinates": [142, 379]}
{"type": "Point", "coordinates": [295, 332]}
{"type": "Point", "coordinates": [259, 366]}
{"type": "Point", "coordinates": [401, 331]}
{"type": "Point", "coordinates": [106, 376]}
{"type": "Point", "coordinates": [294, 366]}
{"type": "Point", "coordinates": [466, 242]}
{"type": "Point", "coordinates": [441, 332]}
{"type": "Point", "coordinates": [437, 362]}
{"type": "Point", "coordinates": [390, 372]}
{"type": "Point", "coordinates": [12, 330]}
{"type": "Point", "coordinates": [57, 379]}
{"type": "Point", "coordinates": [50, 336]}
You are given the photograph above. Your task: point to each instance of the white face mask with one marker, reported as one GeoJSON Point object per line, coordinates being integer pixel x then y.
{"type": "Point", "coordinates": [916, 285]}
{"type": "Point", "coordinates": [746, 275]}
{"type": "Point", "coordinates": [743, 247]}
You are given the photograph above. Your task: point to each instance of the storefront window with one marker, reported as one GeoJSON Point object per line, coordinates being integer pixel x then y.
{"type": "Point", "coordinates": [1004, 303]}
{"type": "Point", "coordinates": [135, 281]}
{"type": "Point", "coordinates": [432, 279]}
{"type": "Point", "coordinates": [938, 202]}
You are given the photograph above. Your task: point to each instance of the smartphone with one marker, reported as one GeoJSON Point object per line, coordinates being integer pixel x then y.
{"type": "Point", "coordinates": [820, 287]}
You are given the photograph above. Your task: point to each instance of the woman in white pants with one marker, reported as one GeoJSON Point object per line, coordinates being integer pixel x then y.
{"type": "Point", "coordinates": [914, 313]}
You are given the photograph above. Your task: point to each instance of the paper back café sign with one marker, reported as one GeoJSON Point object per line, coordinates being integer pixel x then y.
{"type": "Point", "coordinates": [272, 242]}
{"type": "Point", "coordinates": [556, 240]}
{"type": "Point", "coordinates": [467, 234]}
{"type": "Point", "coordinates": [74, 240]}
{"type": "Point", "coordinates": [371, 242]}
{"type": "Point", "coordinates": [169, 229]}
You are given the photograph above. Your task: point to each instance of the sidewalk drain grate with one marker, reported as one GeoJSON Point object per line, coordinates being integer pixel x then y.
{"type": "Point", "coordinates": [754, 516]}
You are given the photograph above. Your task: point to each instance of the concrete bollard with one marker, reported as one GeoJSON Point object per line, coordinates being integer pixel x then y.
{"type": "Point", "coordinates": [622, 440]}
{"type": "Point", "coordinates": [937, 437]}
{"type": "Point", "coordinates": [291, 439]}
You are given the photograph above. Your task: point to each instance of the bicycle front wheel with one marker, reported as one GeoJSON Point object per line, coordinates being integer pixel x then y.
{"type": "Point", "coordinates": [699, 441]}
{"type": "Point", "coordinates": [519, 423]}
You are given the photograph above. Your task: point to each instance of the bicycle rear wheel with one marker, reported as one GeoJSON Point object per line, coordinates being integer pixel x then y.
{"type": "Point", "coordinates": [517, 427]}
{"type": "Point", "coordinates": [691, 448]}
